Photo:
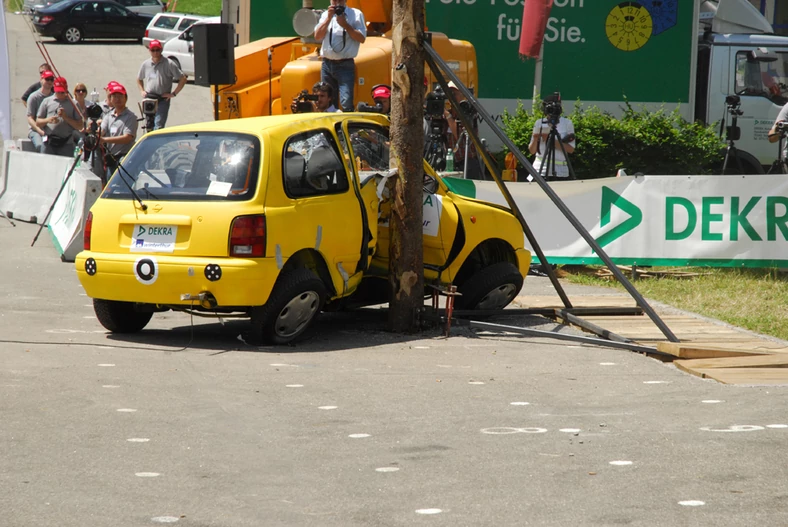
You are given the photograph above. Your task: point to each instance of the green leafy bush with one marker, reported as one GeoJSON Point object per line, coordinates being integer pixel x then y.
{"type": "Point", "coordinates": [658, 143]}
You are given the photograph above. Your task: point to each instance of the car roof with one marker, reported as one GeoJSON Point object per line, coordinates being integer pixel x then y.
{"type": "Point", "coordinates": [189, 15]}
{"type": "Point", "coordinates": [258, 125]}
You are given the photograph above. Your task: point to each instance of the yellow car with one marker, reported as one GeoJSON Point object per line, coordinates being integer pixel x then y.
{"type": "Point", "coordinates": [277, 218]}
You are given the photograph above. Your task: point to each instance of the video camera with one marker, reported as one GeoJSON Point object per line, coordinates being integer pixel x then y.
{"type": "Point", "coordinates": [733, 102]}
{"type": "Point", "coordinates": [782, 127]}
{"type": "Point", "coordinates": [303, 102]}
{"type": "Point", "coordinates": [91, 140]}
{"type": "Point", "coordinates": [552, 108]}
{"type": "Point", "coordinates": [435, 104]}
{"type": "Point", "coordinates": [364, 107]}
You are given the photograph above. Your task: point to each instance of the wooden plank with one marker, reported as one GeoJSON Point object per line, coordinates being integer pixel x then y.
{"type": "Point", "coordinates": [770, 376]}
{"type": "Point", "coordinates": [748, 361]}
{"type": "Point", "coordinates": [700, 351]}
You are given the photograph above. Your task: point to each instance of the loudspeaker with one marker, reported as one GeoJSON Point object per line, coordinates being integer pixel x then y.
{"type": "Point", "coordinates": [214, 54]}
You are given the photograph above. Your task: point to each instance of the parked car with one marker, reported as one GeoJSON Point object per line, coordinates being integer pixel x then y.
{"type": "Point", "coordinates": [275, 218]}
{"type": "Point", "coordinates": [165, 26]}
{"type": "Point", "coordinates": [28, 6]}
{"type": "Point", "coordinates": [71, 21]}
{"type": "Point", "coordinates": [180, 49]}
{"type": "Point", "coordinates": [148, 7]}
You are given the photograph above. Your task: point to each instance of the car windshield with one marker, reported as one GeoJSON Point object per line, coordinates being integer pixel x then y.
{"type": "Point", "coordinates": [214, 166]}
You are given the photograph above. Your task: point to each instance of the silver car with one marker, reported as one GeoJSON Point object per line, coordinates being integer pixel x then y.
{"type": "Point", "coordinates": [145, 7]}
{"type": "Point", "coordinates": [165, 26]}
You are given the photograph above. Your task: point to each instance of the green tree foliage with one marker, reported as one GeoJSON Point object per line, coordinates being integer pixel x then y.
{"type": "Point", "coordinates": [655, 143]}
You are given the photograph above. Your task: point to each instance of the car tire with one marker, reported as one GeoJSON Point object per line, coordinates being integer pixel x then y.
{"type": "Point", "coordinates": [295, 302]}
{"type": "Point", "coordinates": [120, 317]}
{"type": "Point", "coordinates": [72, 35]}
{"type": "Point", "coordinates": [493, 287]}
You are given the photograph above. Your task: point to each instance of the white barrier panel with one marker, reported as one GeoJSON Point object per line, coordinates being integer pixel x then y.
{"type": "Point", "coordinates": [659, 220]}
{"type": "Point", "coordinates": [31, 184]}
{"type": "Point", "coordinates": [71, 210]}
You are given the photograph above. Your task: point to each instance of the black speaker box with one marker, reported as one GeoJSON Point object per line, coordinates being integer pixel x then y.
{"type": "Point", "coordinates": [214, 54]}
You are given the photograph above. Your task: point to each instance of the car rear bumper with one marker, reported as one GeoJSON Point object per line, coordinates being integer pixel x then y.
{"type": "Point", "coordinates": [164, 280]}
{"type": "Point", "coordinates": [47, 30]}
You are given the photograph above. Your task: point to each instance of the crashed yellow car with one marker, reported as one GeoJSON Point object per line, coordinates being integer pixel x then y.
{"type": "Point", "coordinates": [277, 218]}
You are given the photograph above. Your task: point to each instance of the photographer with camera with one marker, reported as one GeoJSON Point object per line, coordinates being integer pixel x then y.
{"type": "Point", "coordinates": [563, 142]}
{"type": "Point", "coordinates": [155, 79]}
{"type": "Point", "coordinates": [61, 119]}
{"type": "Point", "coordinates": [778, 133]}
{"type": "Point", "coordinates": [381, 95]}
{"type": "Point", "coordinates": [318, 101]}
{"type": "Point", "coordinates": [118, 129]}
{"type": "Point", "coordinates": [341, 30]}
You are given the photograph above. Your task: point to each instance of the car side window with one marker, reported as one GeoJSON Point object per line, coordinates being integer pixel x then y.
{"type": "Point", "coordinates": [762, 79]}
{"type": "Point", "coordinates": [186, 22]}
{"type": "Point", "coordinates": [371, 147]}
{"type": "Point", "coordinates": [312, 165]}
{"type": "Point", "coordinates": [166, 22]}
{"type": "Point", "coordinates": [149, 2]}
{"type": "Point", "coordinates": [114, 11]}
{"type": "Point", "coordinates": [86, 8]}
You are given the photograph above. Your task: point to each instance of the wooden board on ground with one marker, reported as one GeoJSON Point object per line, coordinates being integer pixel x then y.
{"type": "Point", "coordinates": [708, 349]}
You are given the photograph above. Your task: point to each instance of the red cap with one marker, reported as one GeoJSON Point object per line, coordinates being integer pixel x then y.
{"type": "Point", "coordinates": [117, 88]}
{"type": "Point", "coordinates": [47, 73]}
{"type": "Point", "coordinates": [381, 91]}
{"type": "Point", "coordinates": [155, 44]}
{"type": "Point", "coordinates": [110, 84]}
{"type": "Point", "coordinates": [61, 85]}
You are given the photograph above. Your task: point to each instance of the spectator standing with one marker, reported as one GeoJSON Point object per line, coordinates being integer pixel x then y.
{"type": "Point", "coordinates": [341, 30]}
{"type": "Point", "coordinates": [59, 115]}
{"type": "Point", "coordinates": [37, 85]}
{"type": "Point", "coordinates": [36, 134]}
{"type": "Point", "coordinates": [566, 136]}
{"type": "Point", "coordinates": [156, 76]}
{"type": "Point", "coordinates": [118, 129]}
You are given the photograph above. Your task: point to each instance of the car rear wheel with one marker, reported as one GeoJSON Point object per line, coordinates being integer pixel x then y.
{"type": "Point", "coordinates": [294, 304]}
{"type": "Point", "coordinates": [120, 317]}
{"type": "Point", "coordinates": [72, 35]}
{"type": "Point", "coordinates": [493, 287]}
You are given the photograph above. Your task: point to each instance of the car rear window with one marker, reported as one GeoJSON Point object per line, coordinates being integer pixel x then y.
{"type": "Point", "coordinates": [166, 22]}
{"type": "Point", "coordinates": [212, 166]}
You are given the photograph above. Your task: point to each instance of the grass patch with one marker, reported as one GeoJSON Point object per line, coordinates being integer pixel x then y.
{"type": "Point", "coordinates": [199, 7]}
{"type": "Point", "coordinates": [754, 299]}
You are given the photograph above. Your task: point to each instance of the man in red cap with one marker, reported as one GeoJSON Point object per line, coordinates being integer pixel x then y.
{"type": "Point", "coordinates": [118, 128]}
{"type": "Point", "coordinates": [36, 134]}
{"type": "Point", "coordinates": [381, 94]}
{"type": "Point", "coordinates": [60, 118]}
{"type": "Point", "coordinates": [155, 80]}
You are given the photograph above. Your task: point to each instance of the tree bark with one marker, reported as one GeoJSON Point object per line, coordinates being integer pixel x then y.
{"type": "Point", "coordinates": [406, 252]}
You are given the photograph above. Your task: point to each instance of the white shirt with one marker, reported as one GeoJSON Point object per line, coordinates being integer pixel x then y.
{"type": "Point", "coordinates": [564, 128]}
{"type": "Point", "coordinates": [337, 44]}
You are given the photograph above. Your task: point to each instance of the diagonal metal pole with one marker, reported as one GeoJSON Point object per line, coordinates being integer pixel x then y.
{"type": "Point", "coordinates": [467, 123]}
{"type": "Point", "coordinates": [435, 60]}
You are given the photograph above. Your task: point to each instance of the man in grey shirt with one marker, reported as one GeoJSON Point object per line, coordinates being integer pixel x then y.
{"type": "Point", "coordinates": [60, 118]}
{"type": "Point", "coordinates": [36, 134]}
{"type": "Point", "coordinates": [155, 80]}
{"type": "Point", "coordinates": [118, 129]}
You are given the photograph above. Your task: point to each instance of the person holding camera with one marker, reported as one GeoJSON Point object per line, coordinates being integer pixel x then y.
{"type": "Point", "coordinates": [61, 119]}
{"type": "Point", "coordinates": [325, 97]}
{"type": "Point", "coordinates": [36, 134]}
{"type": "Point", "coordinates": [341, 30]}
{"type": "Point", "coordinates": [155, 79]}
{"type": "Point", "coordinates": [780, 124]}
{"type": "Point", "coordinates": [564, 139]}
{"type": "Point", "coordinates": [118, 129]}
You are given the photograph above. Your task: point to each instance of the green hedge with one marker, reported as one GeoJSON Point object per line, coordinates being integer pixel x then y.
{"type": "Point", "coordinates": [658, 143]}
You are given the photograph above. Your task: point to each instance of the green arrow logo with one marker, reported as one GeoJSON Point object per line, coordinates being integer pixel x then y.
{"type": "Point", "coordinates": [610, 198]}
{"type": "Point", "coordinates": [141, 232]}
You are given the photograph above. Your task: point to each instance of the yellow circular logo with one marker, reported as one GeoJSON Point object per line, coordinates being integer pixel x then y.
{"type": "Point", "coordinates": [629, 26]}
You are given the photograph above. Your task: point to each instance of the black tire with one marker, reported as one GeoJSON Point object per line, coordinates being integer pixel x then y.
{"type": "Point", "coordinates": [120, 317]}
{"type": "Point", "coordinates": [295, 302]}
{"type": "Point", "coordinates": [72, 35]}
{"type": "Point", "coordinates": [494, 287]}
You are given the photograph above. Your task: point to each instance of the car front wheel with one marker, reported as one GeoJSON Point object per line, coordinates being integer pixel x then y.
{"type": "Point", "coordinates": [493, 287]}
{"type": "Point", "coordinates": [120, 317]}
{"type": "Point", "coordinates": [72, 35]}
{"type": "Point", "coordinates": [294, 304]}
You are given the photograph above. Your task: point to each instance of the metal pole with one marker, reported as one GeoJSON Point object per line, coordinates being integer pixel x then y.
{"type": "Point", "coordinates": [436, 59]}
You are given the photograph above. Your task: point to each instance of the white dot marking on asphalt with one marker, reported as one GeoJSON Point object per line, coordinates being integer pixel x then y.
{"type": "Point", "coordinates": [285, 365]}
{"type": "Point", "coordinates": [147, 474]}
{"type": "Point", "coordinates": [475, 382]}
{"type": "Point", "coordinates": [574, 347]}
{"type": "Point", "coordinates": [712, 401]}
{"type": "Point", "coordinates": [165, 519]}
{"type": "Point", "coordinates": [110, 386]}
{"type": "Point", "coordinates": [734, 428]}
{"type": "Point", "coordinates": [359, 436]}
{"type": "Point", "coordinates": [421, 347]}
{"type": "Point", "coordinates": [327, 407]}
{"type": "Point", "coordinates": [294, 386]}
{"type": "Point", "coordinates": [387, 469]}
{"type": "Point", "coordinates": [776, 426]}
{"type": "Point", "coordinates": [620, 463]}
{"type": "Point", "coordinates": [428, 511]}
{"type": "Point", "coordinates": [126, 410]}
{"type": "Point", "coordinates": [569, 430]}
{"type": "Point", "coordinates": [519, 403]}
{"type": "Point", "coordinates": [89, 316]}
{"type": "Point", "coordinates": [607, 363]}
{"type": "Point", "coordinates": [106, 365]}
{"type": "Point", "coordinates": [692, 503]}
{"type": "Point", "coordinates": [138, 440]}
{"type": "Point", "coordinates": [656, 382]}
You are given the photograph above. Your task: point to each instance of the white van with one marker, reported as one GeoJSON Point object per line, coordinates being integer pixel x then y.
{"type": "Point", "coordinates": [180, 49]}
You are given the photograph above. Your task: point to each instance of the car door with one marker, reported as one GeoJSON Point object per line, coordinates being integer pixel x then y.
{"type": "Point", "coordinates": [116, 22]}
{"type": "Point", "coordinates": [86, 15]}
{"type": "Point", "coordinates": [180, 50]}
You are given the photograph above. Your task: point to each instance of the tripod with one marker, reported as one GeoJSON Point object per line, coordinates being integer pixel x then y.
{"type": "Point", "coordinates": [780, 165]}
{"type": "Point", "coordinates": [548, 170]}
{"type": "Point", "coordinates": [436, 147]}
{"type": "Point", "coordinates": [732, 134]}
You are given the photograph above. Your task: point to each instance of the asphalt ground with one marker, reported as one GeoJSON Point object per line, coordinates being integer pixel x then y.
{"type": "Point", "coordinates": [186, 424]}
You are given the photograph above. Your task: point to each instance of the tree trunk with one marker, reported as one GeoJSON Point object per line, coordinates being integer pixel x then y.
{"type": "Point", "coordinates": [406, 253]}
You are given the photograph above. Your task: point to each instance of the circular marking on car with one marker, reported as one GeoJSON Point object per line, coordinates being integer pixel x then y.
{"type": "Point", "coordinates": [90, 266]}
{"type": "Point", "coordinates": [147, 474]}
{"type": "Point", "coordinates": [428, 511]}
{"type": "Point", "coordinates": [358, 436]}
{"type": "Point", "coordinates": [146, 270]}
{"type": "Point", "coordinates": [387, 469]}
{"type": "Point", "coordinates": [692, 503]}
{"type": "Point", "coordinates": [213, 272]}
{"type": "Point", "coordinates": [621, 463]}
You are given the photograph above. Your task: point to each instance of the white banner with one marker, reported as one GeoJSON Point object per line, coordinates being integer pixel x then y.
{"type": "Point", "coordinates": [660, 220]}
{"type": "Point", "coordinates": [70, 212]}
{"type": "Point", "coordinates": [5, 82]}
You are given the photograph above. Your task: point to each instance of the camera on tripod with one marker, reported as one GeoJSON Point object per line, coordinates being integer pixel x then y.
{"type": "Point", "coordinates": [552, 108]}
{"type": "Point", "coordinates": [733, 102]}
{"type": "Point", "coordinates": [90, 141]}
{"type": "Point", "coordinates": [435, 104]}
{"type": "Point", "coordinates": [304, 102]}
{"type": "Point", "coordinates": [149, 106]}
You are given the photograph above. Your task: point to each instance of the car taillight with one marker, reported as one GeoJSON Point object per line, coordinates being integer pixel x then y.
{"type": "Point", "coordinates": [247, 236]}
{"type": "Point", "coordinates": [45, 19]}
{"type": "Point", "coordinates": [86, 233]}
{"type": "Point", "coordinates": [146, 33]}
